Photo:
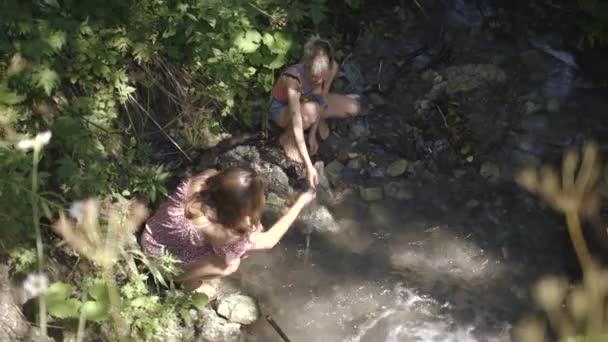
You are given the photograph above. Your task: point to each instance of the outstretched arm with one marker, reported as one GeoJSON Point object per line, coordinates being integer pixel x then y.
{"type": "Point", "coordinates": [269, 238]}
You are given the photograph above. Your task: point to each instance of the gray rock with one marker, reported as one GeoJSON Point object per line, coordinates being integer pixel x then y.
{"type": "Point", "coordinates": [212, 328]}
{"type": "Point", "coordinates": [354, 164]}
{"type": "Point", "coordinates": [553, 105]}
{"type": "Point", "coordinates": [490, 171]}
{"type": "Point", "coordinates": [333, 170]}
{"type": "Point", "coordinates": [530, 107]}
{"type": "Point", "coordinates": [397, 168]}
{"type": "Point", "coordinates": [379, 214]}
{"type": "Point", "coordinates": [371, 194]}
{"type": "Point", "coordinates": [323, 181]}
{"type": "Point", "coordinates": [238, 308]}
{"type": "Point", "coordinates": [377, 172]}
{"type": "Point", "coordinates": [376, 99]}
{"type": "Point", "coordinates": [319, 220]}
{"type": "Point", "coordinates": [531, 58]}
{"type": "Point", "coordinates": [13, 326]}
{"type": "Point", "coordinates": [400, 190]}
{"type": "Point", "coordinates": [459, 173]}
{"type": "Point", "coordinates": [468, 77]}
{"type": "Point", "coordinates": [359, 130]}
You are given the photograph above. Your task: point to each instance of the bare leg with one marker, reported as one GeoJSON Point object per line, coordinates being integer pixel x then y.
{"type": "Point", "coordinates": [339, 106]}
{"type": "Point", "coordinates": [310, 114]}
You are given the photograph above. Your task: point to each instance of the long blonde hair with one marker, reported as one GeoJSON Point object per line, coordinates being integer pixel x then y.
{"type": "Point", "coordinates": [318, 55]}
{"type": "Point", "coordinates": [227, 198]}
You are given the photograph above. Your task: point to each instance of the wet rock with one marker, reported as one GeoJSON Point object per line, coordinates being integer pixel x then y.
{"type": "Point", "coordinates": [319, 220]}
{"type": "Point", "coordinates": [532, 58]}
{"type": "Point", "coordinates": [359, 130]}
{"type": "Point", "coordinates": [354, 164]}
{"type": "Point", "coordinates": [371, 194]}
{"type": "Point", "coordinates": [275, 178]}
{"type": "Point", "coordinates": [379, 214]}
{"type": "Point", "coordinates": [468, 77]}
{"type": "Point", "coordinates": [13, 327]}
{"type": "Point", "coordinates": [211, 327]}
{"type": "Point", "coordinates": [553, 105]}
{"type": "Point", "coordinates": [238, 308]}
{"type": "Point", "coordinates": [400, 190]}
{"type": "Point", "coordinates": [333, 170]}
{"type": "Point", "coordinates": [397, 168]}
{"type": "Point", "coordinates": [459, 173]}
{"type": "Point", "coordinates": [472, 204]}
{"type": "Point", "coordinates": [531, 107]}
{"type": "Point", "coordinates": [377, 99]}
{"type": "Point", "coordinates": [489, 171]}
{"type": "Point", "coordinates": [377, 172]}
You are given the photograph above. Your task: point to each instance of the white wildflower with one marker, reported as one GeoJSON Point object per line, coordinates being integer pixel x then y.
{"type": "Point", "coordinates": [42, 139]}
{"type": "Point", "coordinates": [25, 145]}
{"type": "Point", "coordinates": [36, 284]}
{"type": "Point", "coordinates": [37, 143]}
{"type": "Point", "coordinates": [76, 210]}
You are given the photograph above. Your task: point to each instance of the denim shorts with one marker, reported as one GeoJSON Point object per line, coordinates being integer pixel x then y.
{"type": "Point", "coordinates": [276, 106]}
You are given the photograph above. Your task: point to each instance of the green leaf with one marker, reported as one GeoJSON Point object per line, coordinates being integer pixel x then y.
{"type": "Point", "coordinates": [96, 311]}
{"type": "Point", "coordinates": [99, 291]}
{"type": "Point", "coordinates": [139, 302]}
{"type": "Point", "coordinates": [278, 62]}
{"type": "Point", "coordinates": [199, 300]}
{"type": "Point", "coordinates": [8, 97]}
{"type": "Point", "coordinates": [268, 39]}
{"type": "Point", "coordinates": [249, 41]}
{"type": "Point", "coordinates": [65, 308]}
{"type": "Point", "coordinates": [58, 291]}
{"type": "Point", "coordinates": [56, 40]}
{"type": "Point", "coordinates": [317, 13]}
{"type": "Point", "coordinates": [282, 43]}
{"type": "Point", "coordinates": [47, 79]}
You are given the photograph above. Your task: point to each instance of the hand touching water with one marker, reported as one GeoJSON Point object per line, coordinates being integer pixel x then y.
{"type": "Point", "coordinates": [306, 197]}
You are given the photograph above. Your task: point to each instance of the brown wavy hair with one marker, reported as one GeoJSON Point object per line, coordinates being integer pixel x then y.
{"type": "Point", "coordinates": [227, 198]}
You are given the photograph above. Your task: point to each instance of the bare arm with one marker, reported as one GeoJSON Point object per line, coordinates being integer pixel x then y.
{"type": "Point", "coordinates": [269, 238]}
{"type": "Point", "coordinates": [330, 78]}
{"type": "Point", "coordinates": [296, 118]}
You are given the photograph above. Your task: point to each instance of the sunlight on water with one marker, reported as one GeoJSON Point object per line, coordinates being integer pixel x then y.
{"type": "Point", "coordinates": [417, 317]}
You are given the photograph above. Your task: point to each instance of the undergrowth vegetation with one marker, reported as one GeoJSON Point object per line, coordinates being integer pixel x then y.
{"type": "Point", "coordinates": [85, 87]}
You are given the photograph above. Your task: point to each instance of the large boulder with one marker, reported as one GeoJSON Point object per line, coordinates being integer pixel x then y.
{"type": "Point", "coordinates": [238, 308]}
{"type": "Point", "coordinates": [211, 327]}
{"type": "Point", "coordinates": [13, 326]}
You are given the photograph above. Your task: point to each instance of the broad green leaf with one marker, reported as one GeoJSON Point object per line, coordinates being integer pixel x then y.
{"type": "Point", "coordinates": [96, 311]}
{"type": "Point", "coordinates": [52, 3]}
{"type": "Point", "coordinates": [8, 97]}
{"type": "Point", "coordinates": [248, 42]}
{"type": "Point", "coordinates": [199, 300]}
{"type": "Point", "coordinates": [278, 62]}
{"type": "Point", "coordinates": [58, 291]}
{"type": "Point", "coordinates": [65, 308]}
{"type": "Point", "coordinates": [99, 291]}
{"type": "Point", "coordinates": [268, 39]}
{"type": "Point", "coordinates": [56, 40]}
{"type": "Point", "coordinates": [47, 79]}
{"type": "Point", "coordinates": [282, 43]}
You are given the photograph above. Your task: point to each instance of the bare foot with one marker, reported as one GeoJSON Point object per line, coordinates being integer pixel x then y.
{"type": "Point", "coordinates": [288, 142]}
{"type": "Point", "coordinates": [323, 129]}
